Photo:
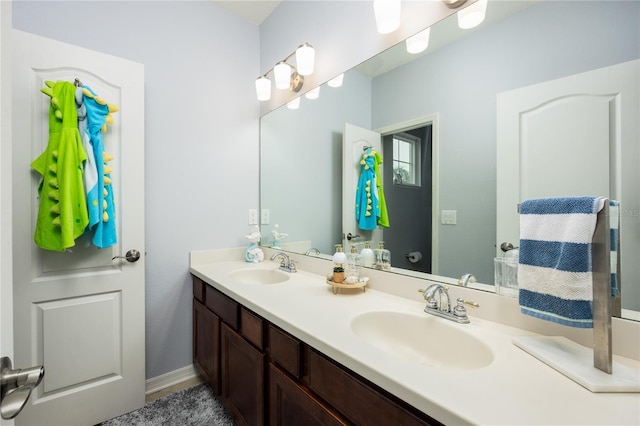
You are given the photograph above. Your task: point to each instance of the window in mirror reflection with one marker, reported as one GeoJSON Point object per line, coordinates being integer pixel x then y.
{"type": "Point", "coordinates": [406, 160]}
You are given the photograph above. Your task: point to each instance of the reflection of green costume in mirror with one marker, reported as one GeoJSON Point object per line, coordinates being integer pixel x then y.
{"type": "Point", "coordinates": [383, 219]}
{"type": "Point", "coordinates": [371, 209]}
{"type": "Point", "coordinates": [62, 215]}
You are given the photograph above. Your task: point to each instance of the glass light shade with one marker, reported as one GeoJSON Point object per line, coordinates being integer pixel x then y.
{"type": "Point", "coordinates": [313, 94]}
{"type": "Point", "coordinates": [336, 81]}
{"type": "Point", "coordinates": [305, 58]}
{"type": "Point", "coordinates": [282, 73]}
{"type": "Point", "coordinates": [419, 42]}
{"type": "Point", "coordinates": [294, 103]}
{"type": "Point", "coordinates": [263, 88]}
{"type": "Point", "coordinates": [387, 14]}
{"type": "Point", "coordinates": [473, 15]}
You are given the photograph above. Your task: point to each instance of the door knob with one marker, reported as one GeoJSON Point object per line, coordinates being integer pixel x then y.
{"type": "Point", "coordinates": [16, 387]}
{"type": "Point", "coordinates": [131, 256]}
{"type": "Point", "coordinates": [506, 246]}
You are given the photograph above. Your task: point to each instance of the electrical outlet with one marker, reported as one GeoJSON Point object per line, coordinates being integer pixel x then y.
{"type": "Point", "coordinates": [449, 217]}
{"type": "Point", "coordinates": [253, 216]}
{"type": "Point", "coordinates": [264, 218]}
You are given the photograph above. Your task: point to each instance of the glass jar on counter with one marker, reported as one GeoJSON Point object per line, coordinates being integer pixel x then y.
{"type": "Point", "coordinates": [383, 257]}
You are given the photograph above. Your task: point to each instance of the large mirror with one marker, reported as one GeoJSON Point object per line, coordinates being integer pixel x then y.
{"type": "Point", "coordinates": [453, 86]}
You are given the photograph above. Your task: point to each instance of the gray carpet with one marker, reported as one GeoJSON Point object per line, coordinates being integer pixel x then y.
{"type": "Point", "coordinates": [195, 406]}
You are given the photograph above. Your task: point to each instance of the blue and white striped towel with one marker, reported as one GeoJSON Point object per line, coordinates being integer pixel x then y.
{"type": "Point", "coordinates": [555, 271]}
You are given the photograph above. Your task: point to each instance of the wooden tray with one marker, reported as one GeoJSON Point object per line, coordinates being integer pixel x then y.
{"type": "Point", "coordinates": [335, 287]}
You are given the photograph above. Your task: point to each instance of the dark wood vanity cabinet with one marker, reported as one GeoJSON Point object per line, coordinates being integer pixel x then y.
{"type": "Point", "coordinates": [265, 376]}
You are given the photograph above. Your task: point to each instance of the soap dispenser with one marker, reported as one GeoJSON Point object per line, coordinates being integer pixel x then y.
{"type": "Point", "coordinates": [383, 257]}
{"type": "Point", "coordinates": [339, 261]}
{"type": "Point", "coordinates": [368, 258]}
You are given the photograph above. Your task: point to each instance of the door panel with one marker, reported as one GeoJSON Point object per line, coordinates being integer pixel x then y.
{"type": "Point", "coordinates": [77, 312]}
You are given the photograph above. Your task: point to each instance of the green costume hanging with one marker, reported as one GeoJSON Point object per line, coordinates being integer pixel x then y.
{"type": "Point", "coordinates": [62, 215]}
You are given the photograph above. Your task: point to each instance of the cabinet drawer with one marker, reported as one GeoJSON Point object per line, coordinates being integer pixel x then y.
{"type": "Point", "coordinates": [357, 400]}
{"type": "Point", "coordinates": [223, 306]}
{"type": "Point", "coordinates": [198, 289]}
{"type": "Point", "coordinates": [252, 327]}
{"type": "Point", "coordinates": [285, 350]}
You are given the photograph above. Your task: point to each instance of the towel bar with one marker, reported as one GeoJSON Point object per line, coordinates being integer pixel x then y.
{"type": "Point", "coordinates": [601, 257]}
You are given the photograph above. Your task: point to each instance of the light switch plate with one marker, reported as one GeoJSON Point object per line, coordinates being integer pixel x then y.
{"type": "Point", "coordinates": [449, 217]}
{"type": "Point", "coordinates": [253, 216]}
{"type": "Point", "coordinates": [264, 217]}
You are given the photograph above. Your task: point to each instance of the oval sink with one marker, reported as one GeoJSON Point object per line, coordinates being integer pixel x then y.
{"type": "Point", "coordinates": [259, 276]}
{"type": "Point", "coordinates": [422, 339]}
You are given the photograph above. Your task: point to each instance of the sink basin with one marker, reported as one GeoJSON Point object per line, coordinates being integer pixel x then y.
{"type": "Point", "coordinates": [259, 276]}
{"type": "Point", "coordinates": [423, 339]}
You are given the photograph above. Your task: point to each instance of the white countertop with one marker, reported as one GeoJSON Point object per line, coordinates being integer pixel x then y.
{"type": "Point", "coordinates": [515, 389]}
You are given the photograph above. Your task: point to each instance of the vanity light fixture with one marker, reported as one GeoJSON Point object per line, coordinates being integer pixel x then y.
{"type": "Point", "coordinates": [387, 13]}
{"type": "Point", "coordinates": [336, 81]}
{"type": "Point", "coordinates": [287, 76]}
{"type": "Point", "coordinates": [419, 42]}
{"type": "Point", "coordinates": [473, 15]}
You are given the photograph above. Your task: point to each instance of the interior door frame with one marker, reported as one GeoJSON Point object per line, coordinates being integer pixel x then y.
{"type": "Point", "coordinates": [426, 120]}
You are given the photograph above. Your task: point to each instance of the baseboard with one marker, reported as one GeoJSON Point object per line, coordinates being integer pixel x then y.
{"type": "Point", "coordinates": [171, 378]}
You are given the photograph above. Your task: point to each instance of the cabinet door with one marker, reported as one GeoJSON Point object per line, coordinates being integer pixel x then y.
{"type": "Point", "coordinates": [292, 405]}
{"type": "Point", "coordinates": [206, 344]}
{"type": "Point", "coordinates": [242, 379]}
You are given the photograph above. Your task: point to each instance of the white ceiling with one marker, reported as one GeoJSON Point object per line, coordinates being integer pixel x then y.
{"type": "Point", "coordinates": [254, 11]}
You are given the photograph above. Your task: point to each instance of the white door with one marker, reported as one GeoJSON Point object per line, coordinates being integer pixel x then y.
{"type": "Point", "coordinates": [77, 312]}
{"type": "Point", "coordinates": [6, 291]}
{"type": "Point", "coordinates": [572, 136]}
{"type": "Point", "coordinates": [354, 141]}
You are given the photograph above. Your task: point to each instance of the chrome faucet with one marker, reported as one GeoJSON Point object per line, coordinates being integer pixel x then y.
{"type": "Point", "coordinates": [439, 304]}
{"type": "Point", "coordinates": [466, 279]}
{"type": "Point", "coordinates": [440, 291]}
{"type": "Point", "coordinates": [287, 264]}
{"type": "Point", "coordinates": [312, 250]}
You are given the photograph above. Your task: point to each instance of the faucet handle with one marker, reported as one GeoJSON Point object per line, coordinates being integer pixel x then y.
{"type": "Point", "coordinates": [460, 310]}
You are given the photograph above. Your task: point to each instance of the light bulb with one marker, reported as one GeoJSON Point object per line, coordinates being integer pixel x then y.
{"type": "Point", "coordinates": [263, 88]}
{"type": "Point", "coordinates": [473, 15]}
{"type": "Point", "coordinates": [336, 81]}
{"type": "Point", "coordinates": [387, 14]}
{"type": "Point", "coordinates": [282, 72]}
{"type": "Point", "coordinates": [294, 103]}
{"type": "Point", "coordinates": [419, 42]}
{"type": "Point", "coordinates": [313, 94]}
{"type": "Point", "coordinates": [305, 58]}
